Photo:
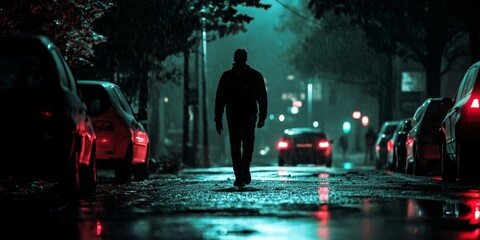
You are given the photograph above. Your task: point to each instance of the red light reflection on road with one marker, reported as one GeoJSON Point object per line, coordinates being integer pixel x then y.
{"type": "Point", "coordinates": [283, 174]}
{"type": "Point", "coordinates": [366, 222]}
{"type": "Point", "coordinates": [323, 194]}
{"type": "Point", "coordinates": [99, 228]}
{"type": "Point", "coordinates": [323, 175]}
{"type": "Point", "coordinates": [323, 215]}
{"type": "Point", "coordinates": [474, 214]}
{"type": "Point", "coordinates": [473, 217]}
{"type": "Point", "coordinates": [323, 191]}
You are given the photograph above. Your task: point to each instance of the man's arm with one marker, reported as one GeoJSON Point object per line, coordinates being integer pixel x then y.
{"type": "Point", "coordinates": [262, 101]}
{"type": "Point", "coordinates": [220, 99]}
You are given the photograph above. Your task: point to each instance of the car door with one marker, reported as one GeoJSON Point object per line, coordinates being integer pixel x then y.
{"type": "Point", "coordinates": [464, 92]}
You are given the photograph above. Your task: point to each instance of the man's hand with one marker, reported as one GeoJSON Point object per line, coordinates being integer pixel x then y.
{"type": "Point", "coordinates": [260, 123]}
{"type": "Point", "coordinates": [219, 126]}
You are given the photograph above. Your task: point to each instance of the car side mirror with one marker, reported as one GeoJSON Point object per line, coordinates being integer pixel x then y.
{"type": "Point", "coordinates": [142, 114]}
{"type": "Point", "coordinates": [447, 103]}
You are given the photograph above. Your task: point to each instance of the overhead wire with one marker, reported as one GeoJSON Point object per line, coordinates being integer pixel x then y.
{"type": "Point", "coordinates": [297, 13]}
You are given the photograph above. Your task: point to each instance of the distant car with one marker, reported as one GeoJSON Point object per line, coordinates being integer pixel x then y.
{"type": "Point", "coordinates": [122, 141]}
{"type": "Point", "coordinates": [383, 146]}
{"type": "Point", "coordinates": [304, 146]}
{"type": "Point", "coordinates": [461, 130]}
{"type": "Point", "coordinates": [399, 145]}
{"type": "Point", "coordinates": [47, 131]}
{"type": "Point", "coordinates": [424, 140]}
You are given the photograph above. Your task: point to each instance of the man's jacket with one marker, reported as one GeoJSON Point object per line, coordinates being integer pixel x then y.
{"type": "Point", "coordinates": [241, 90]}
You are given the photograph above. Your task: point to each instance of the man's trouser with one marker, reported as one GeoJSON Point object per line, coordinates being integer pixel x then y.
{"type": "Point", "coordinates": [242, 137]}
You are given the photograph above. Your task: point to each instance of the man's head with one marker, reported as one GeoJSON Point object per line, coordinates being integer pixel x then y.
{"type": "Point", "coordinates": [240, 56]}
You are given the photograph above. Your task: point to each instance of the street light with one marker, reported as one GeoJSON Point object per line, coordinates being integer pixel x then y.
{"type": "Point", "coordinates": [365, 121]}
{"type": "Point", "coordinates": [357, 115]}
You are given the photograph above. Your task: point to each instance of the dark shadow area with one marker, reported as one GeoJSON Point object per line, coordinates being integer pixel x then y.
{"type": "Point", "coordinates": [236, 189]}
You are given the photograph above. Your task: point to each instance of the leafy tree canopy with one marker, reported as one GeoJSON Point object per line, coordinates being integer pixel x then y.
{"type": "Point", "coordinates": [67, 23]}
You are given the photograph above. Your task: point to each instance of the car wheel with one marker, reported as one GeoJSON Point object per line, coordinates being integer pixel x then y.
{"type": "Point", "coordinates": [466, 171]}
{"type": "Point", "coordinates": [398, 165]}
{"type": "Point", "coordinates": [417, 170]}
{"type": "Point", "coordinates": [449, 167]}
{"type": "Point", "coordinates": [329, 163]}
{"type": "Point", "coordinates": [70, 176]}
{"type": "Point", "coordinates": [378, 164]}
{"type": "Point", "coordinates": [281, 161]}
{"type": "Point", "coordinates": [141, 171]}
{"type": "Point", "coordinates": [409, 165]}
{"type": "Point", "coordinates": [393, 165]}
{"type": "Point", "coordinates": [88, 175]}
{"type": "Point", "coordinates": [123, 172]}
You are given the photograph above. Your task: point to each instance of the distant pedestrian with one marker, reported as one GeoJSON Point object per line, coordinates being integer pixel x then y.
{"type": "Point", "coordinates": [241, 90]}
{"type": "Point", "coordinates": [343, 141]}
{"type": "Point", "coordinates": [370, 138]}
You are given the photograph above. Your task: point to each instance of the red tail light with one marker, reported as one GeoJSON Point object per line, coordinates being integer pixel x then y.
{"type": "Point", "coordinates": [323, 144]}
{"type": "Point", "coordinates": [283, 145]}
{"type": "Point", "coordinates": [46, 114]}
{"type": "Point", "coordinates": [140, 137]}
{"type": "Point", "coordinates": [475, 103]}
{"type": "Point", "coordinates": [390, 146]}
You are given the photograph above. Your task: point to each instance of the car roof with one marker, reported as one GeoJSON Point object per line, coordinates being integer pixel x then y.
{"type": "Point", "coordinates": [105, 84]}
{"type": "Point", "coordinates": [300, 130]}
{"type": "Point", "coordinates": [44, 40]}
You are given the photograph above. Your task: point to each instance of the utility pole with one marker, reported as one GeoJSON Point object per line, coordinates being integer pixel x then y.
{"type": "Point", "coordinates": [204, 94]}
{"type": "Point", "coordinates": [186, 101]}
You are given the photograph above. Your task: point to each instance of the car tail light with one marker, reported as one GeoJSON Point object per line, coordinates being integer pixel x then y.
{"type": "Point", "coordinates": [377, 148]}
{"type": "Point", "coordinates": [140, 137]}
{"type": "Point", "coordinates": [323, 144]}
{"type": "Point", "coordinates": [475, 103]}
{"type": "Point", "coordinates": [47, 115]}
{"type": "Point", "coordinates": [283, 144]}
{"type": "Point", "coordinates": [390, 146]}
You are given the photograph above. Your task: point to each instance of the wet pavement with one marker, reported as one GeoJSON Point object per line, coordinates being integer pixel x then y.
{"type": "Point", "coordinates": [349, 201]}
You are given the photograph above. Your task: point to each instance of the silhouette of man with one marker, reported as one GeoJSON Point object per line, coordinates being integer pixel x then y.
{"type": "Point", "coordinates": [241, 90]}
{"type": "Point", "coordinates": [370, 138]}
{"type": "Point", "coordinates": [344, 145]}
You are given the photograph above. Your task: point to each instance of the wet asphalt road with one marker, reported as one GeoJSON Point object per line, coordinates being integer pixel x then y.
{"type": "Point", "coordinates": [301, 202]}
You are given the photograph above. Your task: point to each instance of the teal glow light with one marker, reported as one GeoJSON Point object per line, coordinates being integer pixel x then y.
{"type": "Point", "coordinates": [347, 165]}
{"type": "Point", "coordinates": [346, 127]}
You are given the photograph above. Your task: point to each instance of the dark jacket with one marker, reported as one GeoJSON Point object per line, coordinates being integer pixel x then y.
{"type": "Point", "coordinates": [240, 89]}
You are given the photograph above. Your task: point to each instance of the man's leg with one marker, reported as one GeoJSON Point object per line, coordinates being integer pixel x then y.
{"type": "Point", "coordinates": [248, 140]}
{"type": "Point", "coordinates": [235, 149]}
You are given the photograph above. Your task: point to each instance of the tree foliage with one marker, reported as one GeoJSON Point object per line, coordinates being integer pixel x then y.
{"type": "Point", "coordinates": [67, 23]}
{"type": "Point", "coordinates": [424, 31]}
{"type": "Point", "coordinates": [143, 33]}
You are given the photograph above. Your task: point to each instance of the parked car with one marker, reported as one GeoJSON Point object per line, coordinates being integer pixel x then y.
{"type": "Point", "coordinates": [424, 140]}
{"type": "Point", "coordinates": [304, 146]}
{"type": "Point", "coordinates": [461, 130]}
{"type": "Point", "coordinates": [382, 145]}
{"type": "Point", "coordinates": [122, 141]}
{"type": "Point", "coordinates": [399, 145]}
{"type": "Point", "coordinates": [47, 131]}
